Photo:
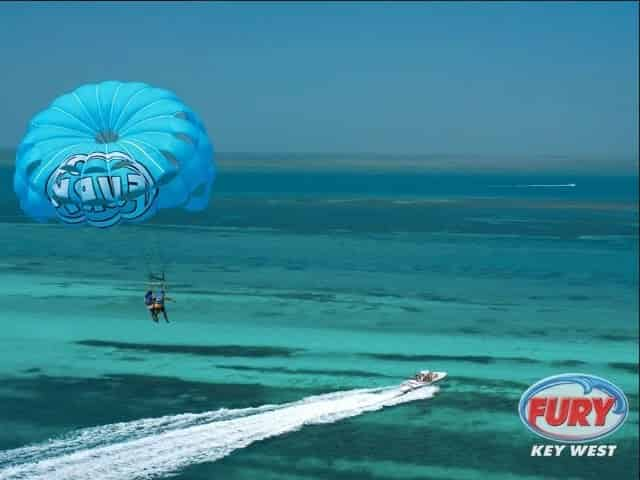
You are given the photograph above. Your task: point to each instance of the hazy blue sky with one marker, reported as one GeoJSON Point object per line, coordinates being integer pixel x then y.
{"type": "Point", "coordinates": [482, 78]}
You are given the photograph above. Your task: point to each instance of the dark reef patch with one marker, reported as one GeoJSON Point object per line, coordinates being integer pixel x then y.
{"type": "Point", "coordinates": [536, 333]}
{"type": "Point", "coordinates": [132, 359]}
{"type": "Point", "coordinates": [488, 383]}
{"type": "Point", "coordinates": [578, 298]}
{"type": "Point", "coordinates": [624, 366]}
{"type": "Point", "coordinates": [411, 309]}
{"type": "Point", "coordinates": [481, 359]}
{"type": "Point", "coordinates": [431, 297]}
{"type": "Point", "coordinates": [306, 371]}
{"type": "Point", "coordinates": [471, 331]}
{"type": "Point", "coordinates": [568, 363]}
{"type": "Point", "coordinates": [614, 337]}
{"type": "Point", "coordinates": [633, 401]}
{"type": "Point", "coordinates": [200, 350]}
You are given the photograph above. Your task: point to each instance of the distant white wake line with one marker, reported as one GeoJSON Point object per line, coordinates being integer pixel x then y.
{"type": "Point", "coordinates": [534, 185]}
{"type": "Point", "coordinates": [151, 448]}
{"type": "Point", "coordinates": [538, 185]}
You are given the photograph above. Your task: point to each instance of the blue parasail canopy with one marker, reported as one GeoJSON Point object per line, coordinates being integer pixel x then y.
{"type": "Point", "coordinates": [113, 152]}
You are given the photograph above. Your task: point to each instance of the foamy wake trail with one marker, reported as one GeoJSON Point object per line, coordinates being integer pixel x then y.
{"type": "Point", "coordinates": [153, 447]}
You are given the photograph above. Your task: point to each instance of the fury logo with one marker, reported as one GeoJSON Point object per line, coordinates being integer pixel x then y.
{"type": "Point", "coordinates": [558, 411]}
{"type": "Point", "coordinates": [573, 408]}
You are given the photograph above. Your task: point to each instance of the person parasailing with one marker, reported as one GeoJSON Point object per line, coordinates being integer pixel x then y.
{"type": "Point", "coordinates": [149, 301]}
{"type": "Point", "coordinates": [156, 302]}
{"type": "Point", "coordinates": [159, 303]}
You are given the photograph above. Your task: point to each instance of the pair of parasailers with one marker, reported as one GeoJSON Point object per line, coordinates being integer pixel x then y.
{"type": "Point", "coordinates": [155, 303]}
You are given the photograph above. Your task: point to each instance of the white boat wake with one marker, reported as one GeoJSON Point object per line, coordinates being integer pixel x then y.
{"type": "Point", "coordinates": [538, 185]}
{"type": "Point", "coordinates": [154, 447]}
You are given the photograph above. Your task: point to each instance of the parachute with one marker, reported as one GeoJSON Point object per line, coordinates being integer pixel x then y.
{"type": "Point", "coordinates": [113, 152]}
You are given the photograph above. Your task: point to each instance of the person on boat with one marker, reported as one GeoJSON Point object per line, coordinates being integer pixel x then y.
{"type": "Point", "coordinates": [149, 301]}
{"type": "Point", "coordinates": [425, 377]}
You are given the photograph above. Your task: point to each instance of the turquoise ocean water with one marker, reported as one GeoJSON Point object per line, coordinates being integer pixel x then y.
{"type": "Point", "coordinates": [321, 291]}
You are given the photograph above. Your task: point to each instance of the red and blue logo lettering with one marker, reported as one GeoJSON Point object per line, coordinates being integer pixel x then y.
{"type": "Point", "coordinates": [573, 408]}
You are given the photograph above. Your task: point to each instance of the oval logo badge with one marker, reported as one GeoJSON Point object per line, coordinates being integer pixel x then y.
{"type": "Point", "coordinates": [573, 407]}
